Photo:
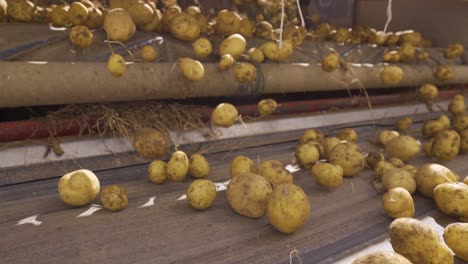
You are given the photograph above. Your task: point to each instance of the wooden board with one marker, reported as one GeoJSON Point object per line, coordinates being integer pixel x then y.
{"type": "Point", "coordinates": [343, 221]}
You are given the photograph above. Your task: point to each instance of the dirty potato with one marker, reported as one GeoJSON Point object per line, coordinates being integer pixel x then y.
{"type": "Point", "coordinates": [373, 158]}
{"type": "Point", "coordinates": [306, 155]}
{"type": "Point", "coordinates": [398, 202]}
{"type": "Point", "coordinates": [446, 145]}
{"type": "Point", "coordinates": [456, 237]}
{"type": "Point", "coordinates": [457, 105]}
{"type": "Point", "coordinates": [81, 37]}
{"type": "Point", "coordinates": [177, 167]}
{"type": "Point", "coordinates": [114, 198]}
{"type": "Point", "coordinates": [201, 194]}
{"type": "Point", "coordinates": [428, 92]}
{"type": "Point", "coordinates": [202, 47]}
{"type": "Point", "coordinates": [242, 164]}
{"type": "Point", "coordinates": [453, 51]}
{"type": "Point", "coordinates": [198, 166]}
{"type": "Point", "coordinates": [157, 171]}
{"type": "Point", "coordinates": [248, 194]}
{"type": "Point", "coordinates": [245, 72]}
{"type": "Point", "coordinates": [430, 175]}
{"type": "Point", "coordinates": [149, 143]}
{"type": "Point", "coordinates": [274, 172]}
{"type": "Point", "coordinates": [431, 128]}
{"type": "Point", "coordinates": [327, 174]}
{"type": "Point", "coordinates": [403, 147]}
{"type": "Point", "coordinates": [452, 199]}
{"type": "Point", "coordinates": [398, 177]}
{"type": "Point", "coordinates": [309, 135]}
{"type": "Point", "coordinates": [347, 155]}
{"type": "Point", "coordinates": [464, 141]}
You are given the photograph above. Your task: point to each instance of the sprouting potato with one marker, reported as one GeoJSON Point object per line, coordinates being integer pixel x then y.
{"type": "Point", "coordinates": [202, 47]}
{"type": "Point", "coordinates": [444, 72]}
{"type": "Point", "coordinates": [148, 53]}
{"type": "Point", "coordinates": [78, 187]}
{"type": "Point", "coordinates": [404, 124]}
{"type": "Point", "coordinates": [225, 62]}
{"type": "Point", "coordinates": [242, 164]}
{"type": "Point", "coordinates": [274, 172]}
{"type": "Point", "coordinates": [398, 202]}
{"type": "Point", "coordinates": [453, 51]}
{"type": "Point", "coordinates": [403, 147]}
{"type": "Point", "coordinates": [347, 155]}
{"type": "Point", "coordinates": [157, 171]}
{"type": "Point", "coordinates": [114, 198]}
{"type": "Point", "coordinates": [456, 237]}
{"type": "Point", "coordinates": [116, 65]}
{"type": "Point", "coordinates": [198, 166]}
{"type": "Point", "coordinates": [224, 115]}
{"type": "Point", "coordinates": [430, 175]}
{"type": "Point", "coordinates": [385, 136]}
{"type": "Point", "coordinates": [330, 62]}
{"type": "Point", "coordinates": [446, 145]}
{"type": "Point", "coordinates": [177, 167]}
{"type": "Point", "coordinates": [307, 155]}
{"type": "Point", "coordinates": [391, 75]}
{"type": "Point", "coordinates": [347, 134]}
{"type": "Point", "coordinates": [267, 106]}
{"type": "Point", "coordinates": [327, 174]}
{"type": "Point", "coordinates": [201, 194]}
{"type": "Point", "coordinates": [398, 177]}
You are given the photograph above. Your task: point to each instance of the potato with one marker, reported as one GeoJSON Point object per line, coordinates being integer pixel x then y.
{"type": "Point", "coordinates": [201, 194]}
{"type": "Point", "coordinates": [59, 16]}
{"type": "Point", "coordinates": [285, 50]}
{"type": "Point", "coordinates": [95, 18]}
{"type": "Point", "coordinates": [309, 135]}
{"type": "Point", "coordinates": [330, 62]}
{"type": "Point", "coordinates": [271, 50]}
{"type": "Point", "coordinates": [456, 237]}
{"type": "Point", "coordinates": [193, 10]}
{"type": "Point", "coordinates": [78, 187]}
{"type": "Point", "coordinates": [398, 163]}
{"type": "Point", "coordinates": [177, 167]}
{"type": "Point", "coordinates": [157, 171]}
{"type": "Point", "coordinates": [155, 24]}
{"type": "Point", "coordinates": [430, 175]}
{"type": "Point", "coordinates": [20, 10]}
{"type": "Point", "coordinates": [373, 157]}
{"type": "Point", "coordinates": [397, 202]}
{"type": "Point", "coordinates": [81, 37]}
{"type": "Point", "coordinates": [245, 72]}
{"type": "Point", "coordinates": [224, 115]}
{"type": "Point", "coordinates": [452, 198]}
{"type": "Point", "coordinates": [242, 164]}
{"type": "Point", "coordinates": [167, 16]}
{"type": "Point", "coordinates": [323, 31]}
{"type": "Point", "coordinates": [378, 38]}
{"type": "Point", "coordinates": [398, 177]}
{"type": "Point", "coordinates": [411, 169]}
{"type": "Point", "coordinates": [392, 39]}
{"type": "Point", "coordinates": [383, 166]}
{"type": "Point", "coordinates": [116, 65]}
{"type": "Point", "coordinates": [446, 145]}
{"type": "Point", "coordinates": [391, 56]}
{"type": "Point", "coordinates": [404, 124]}
{"type": "Point", "coordinates": [234, 44]}
{"type": "Point", "coordinates": [149, 143]}
{"type": "Point", "coordinates": [327, 174]}
{"type": "Point", "coordinates": [407, 52]}
{"type": "Point", "coordinates": [294, 34]}
{"type": "Point", "coordinates": [202, 47]}
{"type": "Point", "coordinates": [255, 55]}
{"type": "Point", "coordinates": [184, 27]}
{"type": "Point", "coordinates": [428, 92]}
{"type": "Point", "coordinates": [141, 13]}
{"type": "Point", "coordinates": [444, 72]}
{"type": "Point", "coordinates": [382, 257]}
{"type": "Point", "coordinates": [248, 194]}
{"type": "Point", "coordinates": [464, 141]}
{"type": "Point", "coordinates": [192, 69]}
{"type": "Point", "coordinates": [422, 55]}
{"type": "Point", "coordinates": [246, 27]}
{"type": "Point", "coordinates": [445, 120]}
{"type": "Point", "coordinates": [306, 155]}
{"type": "Point", "coordinates": [457, 105]}
{"type": "Point", "coordinates": [342, 35]}
{"type": "Point", "coordinates": [385, 136]}
{"type": "Point", "coordinates": [418, 242]}
{"type": "Point", "coordinates": [413, 38]}
{"type": "Point", "coordinates": [227, 23]}
{"type": "Point", "coordinates": [274, 172]}
{"type": "Point", "coordinates": [391, 75]}
{"type": "Point", "coordinates": [460, 122]}
{"type": "Point", "coordinates": [266, 106]}
{"type": "Point", "coordinates": [225, 62]}
{"type": "Point", "coordinates": [402, 147]}
{"type": "Point", "coordinates": [431, 127]}
{"type": "Point", "coordinates": [114, 198]}
{"type": "Point", "coordinates": [119, 25]}
{"type": "Point", "coordinates": [198, 166]}
{"type": "Point", "coordinates": [288, 208]}
{"type": "Point", "coordinates": [328, 144]}
{"type": "Point", "coordinates": [77, 14]}
{"type": "Point", "coordinates": [263, 30]}
{"type": "Point", "coordinates": [347, 134]}
{"type": "Point", "coordinates": [347, 155]}
{"type": "Point", "coordinates": [148, 53]}
{"type": "Point", "coordinates": [453, 51]}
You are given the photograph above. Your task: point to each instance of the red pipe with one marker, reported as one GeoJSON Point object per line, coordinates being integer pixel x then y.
{"type": "Point", "coordinates": [39, 129]}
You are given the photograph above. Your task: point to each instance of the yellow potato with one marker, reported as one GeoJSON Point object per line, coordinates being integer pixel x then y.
{"type": "Point", "coordinates": [391, 56]}
{"type": "Point", "coordinates": [373, 158]}
{"type": "Point", "coordinates": [451, 198]}
{"type": "Point", "coordinates": [431, 127]}
{"type": "Point", "coordinates": [294, 34]}
{"type": "Point", "coordinates": [330, 62]}
{"type": "Point", "coordinates": [199, 166]}
{"type": "Point", "coordinates": [201, 194]}
{"type": "Point", "coordinates": [430, 175]}
{"type": "Point", "coordinates": [263, 30]}
{"type": "Point", "coordinates": [155, 23]}
{"type": "Point", "coordinates": [167, 16]}
{"type": "Point", "coordinates": [328, 144]}
{"type": "Point", "coordinates": [347, 155]}
{"type": "Point", "coordinates": [285, 50]}
{"type": "Point", "coordinates": [397, 202]}
{"type": "Point", "coordinates": [248, 194]}
{"type": "Point", "coordinates": [393, 178]}
{"type": "Point", "coordinates": [149, 143]}
{"type": "Point", "coordinates": [398, 163]}
{"type": "Point", "coordinates": [225, 62]}
{"type": "Point", "coordinates": [446, 145]}
{"type": "Point", "coordinates": [460, 122]}
{"type": "Point", "coordinates": [464, 141]}
{"type": "Point", "coordinates": [141, 13]}
{"type": "Point", "coordinates": [157, 171]}
{"type": "Point", "coordinates": [382, 257]}
{"type": "Point", "coordinates": [246, 28]}
{"type": "Point", "coordinates": [327, 174]}
{"type": "Point", "coordinates": [378, 38]}
{"type": "Point", "coordinates": [242, 164]}
{"type": "Point", "coordinates": [119, 25]}
{"type": "Point", "coordinates": [148, 53]}
{"type": "Point", "coordinates": [192, 69]}
{"type": "Point", "coordinates": [81, 37]}
{"type": "Point", "coordinates": [383, 166]}
{"type": "Point", "coordinates": [177, 167]}
{"type": "Point", "coordinates": [227, 23]}
{"type": "Point", "coordinates": [342, 35]}
{"type": "Point", "coordinates": [428, 92]}
{"type": "Point", "coordinates": [184, 27]}
{"type": "Point", "coordinates": [385, 136]}
{"type": "Point", "coordinates": [266, 106]}
{"type": "Point", "coordinates": [288, 208]}
{"type": "Point", "coordinates": [391, 75]}
{"type": "Point", "coordinates": [95, 18]}
{"type": "Point", "coordinates": [456, 237]}
{"type": "Point", "coordinates": [309, 135]}
{"type": "Point", "coordinates": [453, 51]}
{"type": "Point", "coordinates": [77, 14]}
{"type": "Point", "coordinates": [78, 187]}
{"type": "Point", "coordinates": [404, 124]}
{"type": "Point", "coordinates": [418, 242]}
{"type": "Point", "coordinates": [255, 55]}
{"type": "Point", "coordinates": [457, 105]}
{"type": "Point", "coordinates": [116, 65]}
{"type": "Point", "coordinates": [411, 169]}
{"type": "Point", "coordinates": [202, 47]}
{"type": "Point", "coordinates": [224, 115]}
{"type": "Point", "coordinates": [403, 147]}
{"type": "Point", "coordinates": [234, 44]}
{"type": "Point", "coordinates": [59, 16]}
{"type": "Point", "coordinates": [271, 50]}
{"type": "Point", "coordinates": [114, 198]}
{"type": "Point", "coordinates": [245, 72]}
{"type": "Point", "coordinates": [20, 10]}
{"type": "Point", "coordinates": [407, 52]}
{"type": "Point", "coordinates": [274, 172]}
{"type": "Point", "coordinates": [306, 155]}
{"type": "Point", "coordinates": [444, 72]}
{"type": "Point", "coordinates": [413, 38]}
{"type": "Point", "coordinates": [347, 134]}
